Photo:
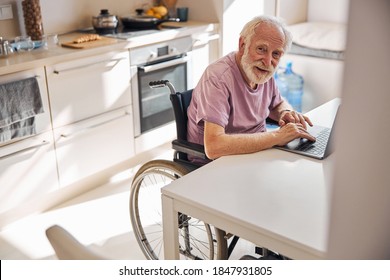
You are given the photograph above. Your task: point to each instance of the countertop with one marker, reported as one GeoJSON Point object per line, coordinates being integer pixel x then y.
{"type": "Point", "coordinates": [41, 57]}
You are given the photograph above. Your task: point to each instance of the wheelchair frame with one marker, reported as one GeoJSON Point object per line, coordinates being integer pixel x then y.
{"type": "Point", "coordinates": [197, 240]}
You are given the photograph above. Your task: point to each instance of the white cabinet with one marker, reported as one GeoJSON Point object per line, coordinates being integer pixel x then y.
{"type": "Point", "coordinates": [87, 87]}
{"type": "Point", "coordinates": [92, 116]}
{"type": "Point", "coordinates": [90, 146]}
{"type": "Point", "coordinates": [28, 168]}
{"type": "Point", "coordinates": [27, 171]}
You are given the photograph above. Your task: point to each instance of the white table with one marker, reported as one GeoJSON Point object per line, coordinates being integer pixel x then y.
{"type": "Point", "coordinates": [272, 198]}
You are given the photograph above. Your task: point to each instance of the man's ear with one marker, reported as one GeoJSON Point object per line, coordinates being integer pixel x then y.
{"type": "Point", "coordinates": [241, 45]}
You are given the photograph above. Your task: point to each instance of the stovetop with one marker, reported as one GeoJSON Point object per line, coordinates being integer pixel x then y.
{"type": "Point", "coordinates": [128, 34]}
{"type": "Point", "coordinates": [122, 33]}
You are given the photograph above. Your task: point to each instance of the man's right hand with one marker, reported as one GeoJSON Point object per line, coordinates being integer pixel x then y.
{"type": "Point", "coordinates": [292, 131]}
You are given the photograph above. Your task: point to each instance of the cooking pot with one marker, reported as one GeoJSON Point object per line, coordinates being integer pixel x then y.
{"type": "Point", "coordinates": [104, 22]}
{"type": "Point", "coordinates": [144, 22]}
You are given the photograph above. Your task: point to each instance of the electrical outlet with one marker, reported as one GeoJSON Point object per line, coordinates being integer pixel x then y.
{"type": "Point", "coordinates": [6, 12]}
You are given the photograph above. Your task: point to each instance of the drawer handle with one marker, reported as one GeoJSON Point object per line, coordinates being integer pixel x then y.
{"type": "Point", "coordinates": [204, 41]}
{"type": "Point", "coordinates": [86, 129]}
{"type": "Point", "coordinates": [57, 72]}
{"type": "Point", "coordinates": [162, 65]}
{"type": "Point", "coordinates": [44, 142]}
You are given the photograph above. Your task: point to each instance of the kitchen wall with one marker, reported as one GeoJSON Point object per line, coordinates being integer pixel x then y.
{"type": "Point", "coordinates": [10, 27]}
{"type": "Point", "coordinates": [61, 16]}
{"type": "Point", "coordinates": [66, 15]}
{"type": "Point", "coordinates": [236, 13]}
{"type": "Point", "coordinates": [230, 14]}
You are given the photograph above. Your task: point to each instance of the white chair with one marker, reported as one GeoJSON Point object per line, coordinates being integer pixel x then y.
{"type": "Point", "coordinates": [67, 247]}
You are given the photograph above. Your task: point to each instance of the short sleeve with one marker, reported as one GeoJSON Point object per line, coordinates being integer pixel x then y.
{"type": "Point", "coordinates": [213, 103]}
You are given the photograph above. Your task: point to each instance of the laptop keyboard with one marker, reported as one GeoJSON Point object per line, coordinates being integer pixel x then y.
{"type": "Point", "coordinates": [318, 147]}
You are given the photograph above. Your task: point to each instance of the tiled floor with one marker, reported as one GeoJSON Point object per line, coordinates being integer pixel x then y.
{"type": "Point", "coordinates": [99, 219]}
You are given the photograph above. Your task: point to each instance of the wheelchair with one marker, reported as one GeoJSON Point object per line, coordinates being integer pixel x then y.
{"type": "Point", "coordinates": [197, 240]}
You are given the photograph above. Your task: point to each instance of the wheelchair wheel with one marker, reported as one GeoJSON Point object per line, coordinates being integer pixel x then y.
{"type": "Point", "coordinates": [197, 239]}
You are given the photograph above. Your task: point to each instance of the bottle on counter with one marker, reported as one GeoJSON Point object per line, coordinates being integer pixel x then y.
{"type": "Point", "coordinates": [294, 84]}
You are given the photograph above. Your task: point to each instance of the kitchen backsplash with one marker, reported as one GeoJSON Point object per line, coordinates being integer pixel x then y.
{"type": "Point", "coordinates": [61, 16]}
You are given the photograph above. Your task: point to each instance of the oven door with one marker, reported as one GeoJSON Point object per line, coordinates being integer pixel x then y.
{"type": "Point", "coordinates": [152, 107]}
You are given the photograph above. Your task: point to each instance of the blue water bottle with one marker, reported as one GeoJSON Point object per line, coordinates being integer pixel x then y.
{"type": "Point", "coordinates": [295, 86]}
{"type": "Point", "coordinates": [282, 85]}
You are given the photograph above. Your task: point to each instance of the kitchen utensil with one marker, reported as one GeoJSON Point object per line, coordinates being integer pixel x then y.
{"type": "Point", "coordinates": [182, 13]}
{"type": "Point", "coordinates": [105, 22]}
{"type": "Point", "coordinates": [5, 47]}
{"type": "Point", "coordinates": [144, 21]}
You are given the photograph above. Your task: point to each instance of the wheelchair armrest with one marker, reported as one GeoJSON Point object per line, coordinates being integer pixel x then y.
{"type": "Point", "coordinates": [189, 148]}
{"type": "Point", "coordinates": [271, 122]}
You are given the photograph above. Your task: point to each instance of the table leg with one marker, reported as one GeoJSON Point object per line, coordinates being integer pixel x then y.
{"type": "Point", "coordinates": [170, 229]}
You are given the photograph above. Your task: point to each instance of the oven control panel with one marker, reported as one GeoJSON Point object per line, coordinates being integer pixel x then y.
{"type": "Point", "coordinates": [163, 50]}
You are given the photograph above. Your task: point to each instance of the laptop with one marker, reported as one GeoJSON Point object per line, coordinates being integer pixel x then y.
{"type": "Point", "coordinates": [320, 149]}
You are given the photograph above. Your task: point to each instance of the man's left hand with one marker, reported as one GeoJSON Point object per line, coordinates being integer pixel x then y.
{"type": "Point", "coordinates": [294, 117]}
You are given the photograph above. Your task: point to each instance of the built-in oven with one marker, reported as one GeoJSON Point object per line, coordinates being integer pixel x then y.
{"type": "Point", "coordinates": [153, 114]}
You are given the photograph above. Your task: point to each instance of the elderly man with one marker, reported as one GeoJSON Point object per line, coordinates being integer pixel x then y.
{"type": "Point", "coordinates": [237, 93]}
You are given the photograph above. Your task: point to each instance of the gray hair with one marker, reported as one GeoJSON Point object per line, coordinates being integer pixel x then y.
{"type": "Point", "coordinates": [249, 29]}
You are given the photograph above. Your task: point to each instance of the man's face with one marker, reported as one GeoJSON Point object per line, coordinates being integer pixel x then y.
{"type": "Point", "coordinates": [261, 56]}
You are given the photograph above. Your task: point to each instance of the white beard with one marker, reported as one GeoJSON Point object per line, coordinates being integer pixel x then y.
{"type": "Point", "coordinates": [248, 66]}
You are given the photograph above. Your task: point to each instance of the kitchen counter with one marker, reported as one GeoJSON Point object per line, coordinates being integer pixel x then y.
{"type": "Point", "coordinates": [41, 57]}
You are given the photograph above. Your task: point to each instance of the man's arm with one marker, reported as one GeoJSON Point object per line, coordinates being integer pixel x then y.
{"type": "Point", "coordinates": [217, 143]}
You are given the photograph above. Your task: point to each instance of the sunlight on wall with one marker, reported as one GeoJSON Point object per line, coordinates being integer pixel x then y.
{"type": "Point", "coordinates": [236, 14]}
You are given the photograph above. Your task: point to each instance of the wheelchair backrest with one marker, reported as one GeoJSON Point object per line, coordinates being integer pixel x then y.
{"type": "Point", "coordinates": [180, 102]}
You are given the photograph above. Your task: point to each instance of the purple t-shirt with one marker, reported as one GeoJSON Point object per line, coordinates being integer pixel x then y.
{"type": "Point", "coordinates": [223, 97]}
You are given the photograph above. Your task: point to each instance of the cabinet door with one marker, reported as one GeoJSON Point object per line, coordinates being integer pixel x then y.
{"type": "Point", "coordinates": [87, 87]}
{"type": "Point", "coordinates": [28, 171]}
{"type": "Point", "coordinates": [42, 120]}
{"type": "Point", "coordinates": [88, 147]}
